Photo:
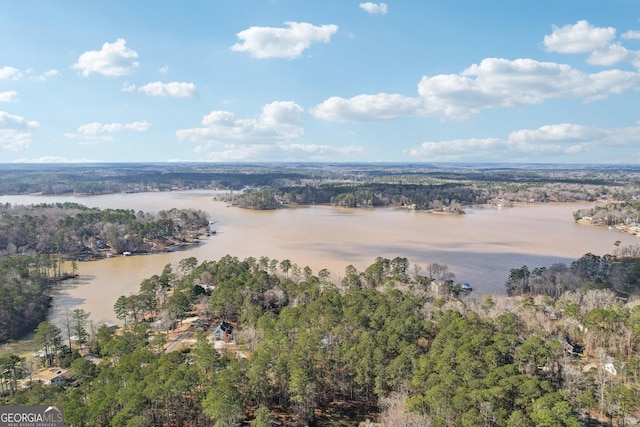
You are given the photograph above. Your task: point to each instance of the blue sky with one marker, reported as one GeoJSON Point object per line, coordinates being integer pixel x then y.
{"type": "Point", "coordinates": [331, 80]}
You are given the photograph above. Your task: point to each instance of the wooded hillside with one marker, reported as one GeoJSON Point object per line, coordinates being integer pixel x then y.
{"type": "Point", "coordinates": [379, 345]}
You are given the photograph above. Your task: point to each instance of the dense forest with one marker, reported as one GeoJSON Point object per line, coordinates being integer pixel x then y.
{"type": "Point", "coordinates": [130, 178]}
{"type": "Point", "coordinates": [619, 272]}
{"type": "Point", "coordinates": [271, 186]}
{"type": "Point", "coordinates": [35, 240]}
{"type": "Point", "coordinates": [386, 345]}
{"type": "Point", "coordinates": [416, 196]}
{"type": "Point", "coordinates": [26, 283]}
{"type": "Point", "coordinates": [434, 188]}
{"type": "Point", "coordinates": [73, 230]}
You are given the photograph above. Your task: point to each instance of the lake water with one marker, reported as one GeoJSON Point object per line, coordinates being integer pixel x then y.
{"type": "Point", "coordinates": [480, 247]}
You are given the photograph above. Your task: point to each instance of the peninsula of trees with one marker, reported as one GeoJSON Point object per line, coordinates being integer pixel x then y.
{"type": "Point", "coordinates": [75, 231]}
{"type": "Point", "coordinates": [35, 240]}
{"type": "Point", "coordinates": [621, 215]}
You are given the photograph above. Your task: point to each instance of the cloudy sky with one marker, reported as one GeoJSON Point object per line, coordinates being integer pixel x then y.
{"type": "Point", "coordinates": [320, 80]}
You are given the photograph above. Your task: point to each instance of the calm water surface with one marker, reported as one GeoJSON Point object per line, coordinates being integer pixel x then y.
{"type": "Point", "coordinates": [479, 247]}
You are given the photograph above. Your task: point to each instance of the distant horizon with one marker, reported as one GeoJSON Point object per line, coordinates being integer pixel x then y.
{"type": "Point", "coordinates": [334, 163]}
{"type": "Point", "coordinates": [328, 81]}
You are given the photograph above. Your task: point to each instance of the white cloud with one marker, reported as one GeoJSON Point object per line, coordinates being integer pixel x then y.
{"type": "Point", "coordinates": [51, 73]}
{"type": "Point", "coordinates": [279, 121]}
{"type": "Point", "coordinates": [563, 139]}
{"type": "Point", "coordinates": [598, 42]}
{"type": "Point", "coordinates": [374, 8]}
{"type": "Point", "coordinates": [281, 113]}
{"type": "Point", "coordinates": [173, 89]}
{"type": "Point", "coordinates": [579, 38]}
{"type": "Point", "coordinates": [8, 96]}
{"type": "Point", "coordinates": [234, 152]}
{"type": "Point", "coordinates": [164, 69]}
{"type": "Point", "coordinates": [478, 150]}
{"type": "Point", "coordinates": [453, 150]}
{"type": "Point", "coordinates": [290, 42]}
{"type": "Point", "coordinates": [8, 72]}
{"type": "Point", "coordinates": [14, 140]}
{"type": "Point", "coordinates": [15, 132]}
{"type": "Point", "coordinates": [571, 138]}
{"type": "Point", "coordinates": [98, 132]}
{"type": "Point", "coordinates": [617, 137]}
{"type": "Point", "coordinates": [55, 159]}
{"type": "Point", "coordinates": [269, 136]}
{"type": "Point", "coordinates": [137, 126]}
{"type": "Point", "coordinates": [15, 74]}
{"type": "Point", "coordinates": [11, 121]}
{"type": "Point", "coordinates": [96, 128]}
{"type": "Point", "coordinates": [114, 59]}
{"type": "Point", "coordinates": [274, 152]}
{"type": "Point", "coordinates": [503, 83]}
{"type": "Point", "coordinates": [127, 87]}
{"type": "Point", "coordinates": [44, 76]}
{"type": "Point", "coordinates": [631, 35]}
{"type": "Point", "coordinates": [611, 55]}
{"type": "Point", "coordinates": [48, 75]}
{"type": "Point", "coordinates": [574, 149]}
{"type": "Point", "coordinates": [361, 108]}
{"type": "Point", "coordinates": [493, 83]}
{"type": "Point", "coordinates": [559, 132]}
{"type": "Point", "coordinates": [320, 150]}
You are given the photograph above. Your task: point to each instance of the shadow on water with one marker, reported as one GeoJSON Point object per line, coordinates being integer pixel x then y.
{"type": "Point", "coordinates": [23, 346]}
{"type": "Point", "coordinates": [62, 301]}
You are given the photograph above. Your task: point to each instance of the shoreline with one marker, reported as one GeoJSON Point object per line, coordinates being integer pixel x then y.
{"type": "Point", "coordinates": [634, 230]}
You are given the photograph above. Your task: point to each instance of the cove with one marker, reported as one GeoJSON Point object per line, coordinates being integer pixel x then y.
{"type": "Point", "coordinates": [480, 247]}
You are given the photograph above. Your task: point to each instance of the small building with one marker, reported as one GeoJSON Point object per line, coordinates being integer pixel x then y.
{"type": "Point", "coordinates": [571, 349]}
{"type": "Point", "coordinates": [224, 331]}
{"type": "Point", "coordinates": [62, 378]}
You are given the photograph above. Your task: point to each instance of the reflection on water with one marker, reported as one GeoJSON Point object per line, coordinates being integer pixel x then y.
{"type": "Point", "coordinates": [479, 247]}
{"type": "Point", "coordinates": [23, 347]}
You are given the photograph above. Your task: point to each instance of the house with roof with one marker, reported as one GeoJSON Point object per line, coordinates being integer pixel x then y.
{"type": "Point", "coordinates": [63, 378]}
{"type": "Point", "coordinates": [224, 331]}
{"type": "Point", "coordinates": [55, 376]}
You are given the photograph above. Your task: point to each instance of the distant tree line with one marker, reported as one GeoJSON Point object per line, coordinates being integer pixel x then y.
{"type": "Point", "coordinates": [350, 184]}
{"type": "Point", "coordinates": [124, 178]}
